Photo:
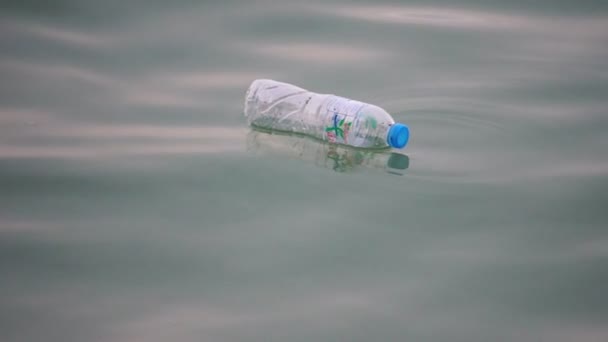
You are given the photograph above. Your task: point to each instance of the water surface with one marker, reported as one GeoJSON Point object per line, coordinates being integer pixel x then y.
{"type": "Point", "coordinates": [136, 205]}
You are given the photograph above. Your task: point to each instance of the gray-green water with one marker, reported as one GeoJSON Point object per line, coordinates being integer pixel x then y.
{"type": "Point", "coordinates": [135, 205]}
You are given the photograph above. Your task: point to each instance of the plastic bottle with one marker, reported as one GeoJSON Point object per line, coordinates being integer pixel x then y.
{"type": "Point", "coordinates": [343, 159]}
{"type": "Point", "coordinates": [284, 107]}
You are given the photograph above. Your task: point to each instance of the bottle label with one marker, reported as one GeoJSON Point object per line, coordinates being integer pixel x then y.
{"type": "Point", "coordinates": [342, 114]}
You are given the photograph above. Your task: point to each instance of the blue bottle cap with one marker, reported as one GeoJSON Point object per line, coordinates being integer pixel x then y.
{"type": "Point", "coordinates": [398, 135]}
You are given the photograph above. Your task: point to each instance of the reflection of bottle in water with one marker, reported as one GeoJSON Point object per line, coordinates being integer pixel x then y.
{"type": "Point", "coordinates": [330, 156]}
{"type": "Point", "coordinates": [284, 107]}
